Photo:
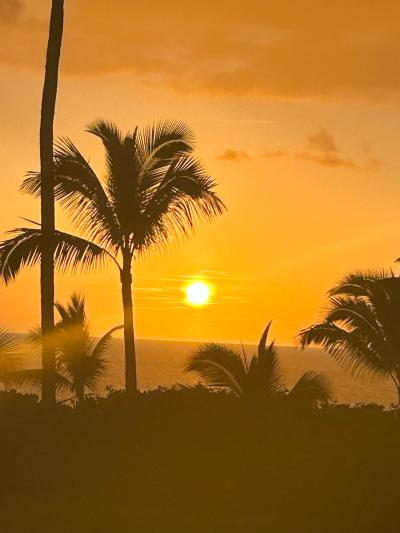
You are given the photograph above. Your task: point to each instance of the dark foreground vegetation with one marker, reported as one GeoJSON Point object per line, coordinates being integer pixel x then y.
{"type": "Point", "coordinates": [192, 461]}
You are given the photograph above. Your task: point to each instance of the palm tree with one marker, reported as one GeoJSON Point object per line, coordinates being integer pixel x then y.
{"type": "Point", "coordinates": [154, 189]}
{"type": "Point", "coordinates": [360, 328]}
{"type": "Point", "coordinates": [47, 196]}
{"type": "Point", "coordinates": [223, 367]}
{"type": "Point", "coordinates": [80, 361]}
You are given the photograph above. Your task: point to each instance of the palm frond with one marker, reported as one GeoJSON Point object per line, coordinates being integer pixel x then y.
{"type": "Point", "coordinates": [81, 193]}
{"type": "Point", "coordinates": [24, 249]}
{"type": "Point", "coordinates": [311, 389]}
{"type": "Point", "coordinates": [372, 304]}
{"type": "Point", "coordinates": [97, 362]}
{"type": "Point", "coordinates": [348, 348]}
{"type": "Point", "coordinates": [262, 344]}
{"type": "Point", "coordinates": [9, 342]}
{"type": "Point", "coordinates": [219, 366]}
{"type": "Point", "coordinates": [264, 374]}
{"type": "Point", "coordinates": [72, 336]}
{"type": "Point", "coordinates": [158, 144]}
{"type": "Point", "coordinates": [34, 336]}
{"type": "Point", "coordinates": [359, 283]}
{"type": "Point", "coordinates": [123, 169]}
{"type": "Point", "coordinates": [104, 342]}
{"type": "Point", "coordinates": [184, 194]}
{"type": "Point", "coordinates": [73, 312]}
{"type": "Point", "coordinates": [87, 371]}
{"type": "Point", "coordinates": [10, 346]}
{"type": "Point", "coordinates": [355, 313]}
{"type": "Point", "coordinates": [107, 131]}
{"type": "Point", "coordinates": [32, 379]}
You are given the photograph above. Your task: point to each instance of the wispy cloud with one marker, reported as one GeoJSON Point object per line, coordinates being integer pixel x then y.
{"type": "Point", "coordinates": [255, 121]}
{"type": "Point", "coordinates": [321, 149]}
{"type": "Point", "coordinates": [272, 154]}
{"type": "Point", "coordinates": [236, 156]}
{"type": "Point", "coordinates": [10, 9]}
{"type": "Point", "coordinates": [323, 140]}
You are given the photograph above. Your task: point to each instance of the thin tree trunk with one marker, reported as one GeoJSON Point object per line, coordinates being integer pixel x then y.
{"type": "Point", "coordinates": [397, 383]}
{"type": "Point", "coordinates": [129, 335]}
{"type": "Point", "coordinates": [395, 377]}
{"type": "Point", "coordinates": [47, 199]}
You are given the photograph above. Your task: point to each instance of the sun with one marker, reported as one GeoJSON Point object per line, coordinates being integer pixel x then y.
{"type": "Point", "coordinates": [198, 293]}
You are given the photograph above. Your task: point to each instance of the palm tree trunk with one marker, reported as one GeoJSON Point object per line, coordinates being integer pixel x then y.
{"type": "Point", "coordinates": [47, 199]}
{"type": "Point", "coordinates": [395, 377]}
{"type": "Point", "coordinates": [397, 383]}
{"type": "Point", "coordinates": [129, 335]}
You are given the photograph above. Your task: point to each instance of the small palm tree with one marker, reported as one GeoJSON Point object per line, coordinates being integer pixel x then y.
{"type": "Point", "coordinates": [360, 328]}
{"type": "Point", "coordinates": [221, 366]}
{"type": "Point", "coordinates": [80, 361]}
{"type": "Point", "coordinates": [154, 189]}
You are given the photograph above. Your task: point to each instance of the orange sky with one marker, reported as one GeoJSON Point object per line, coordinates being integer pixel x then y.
{"type": "Point", "coordinates": [296, 107]}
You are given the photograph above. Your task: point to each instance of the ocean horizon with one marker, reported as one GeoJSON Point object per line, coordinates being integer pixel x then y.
{"type": "Point", "coordinates": [160, 363]}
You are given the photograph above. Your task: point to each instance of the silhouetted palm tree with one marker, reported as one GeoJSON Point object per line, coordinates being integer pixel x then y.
{"type": "Point", "coordinates": [154, 189]}
{"type": "Point", "coordinates": [47, 196]}
{"type": "Point", "coordinates": [80, 361]}
{"type": "Point", "coordinates": [360, 329]}
{"type": "Point", "coordinates": [221, 366]}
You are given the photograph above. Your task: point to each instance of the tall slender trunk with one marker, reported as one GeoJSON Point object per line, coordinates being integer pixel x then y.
{"type": "Point", "coordinates": [397, 383]}
{"type": "Point", "coordinates": [47, 199]}
{"type": "Point", "coordinates": [129, 335]}
{"type": "Point", "coordinates": [395, 377]}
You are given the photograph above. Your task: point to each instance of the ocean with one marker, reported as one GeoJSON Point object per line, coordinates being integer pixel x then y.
{"type": "Point", "coordinates": [160, 364]}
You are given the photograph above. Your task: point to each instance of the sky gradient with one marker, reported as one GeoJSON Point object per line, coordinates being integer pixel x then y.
{"type": "Point", "coordinates": [296, 109]}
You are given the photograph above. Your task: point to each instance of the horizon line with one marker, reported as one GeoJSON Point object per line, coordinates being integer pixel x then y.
{"type": "Point", "coordinates": [197, 341]}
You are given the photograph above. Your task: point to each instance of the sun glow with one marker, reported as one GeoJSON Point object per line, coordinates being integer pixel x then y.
{"type": "Point", "coordinates": [198, 293]}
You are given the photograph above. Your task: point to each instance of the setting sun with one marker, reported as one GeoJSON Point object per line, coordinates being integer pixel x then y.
{"type": "Point", "coordinates": [198, 293]}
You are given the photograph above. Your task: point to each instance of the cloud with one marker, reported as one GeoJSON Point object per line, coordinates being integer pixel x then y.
{"type": "Point", "coordinates": [323, 140]}
{"type": "Point", "coordinates": [251, 121]}
{"type": "Point", "coordinates": [272, 154]}
{"type": "Point", "coordinates": [10, 10]}
{"type": "Point", "coordinates": [328, 160]}
{"type": "Point", "coordinates": [286, 49]}
{"type": "Point", "coordinates": [321, 149]}
{"type": "Point", "coordinates": [236, 156]}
